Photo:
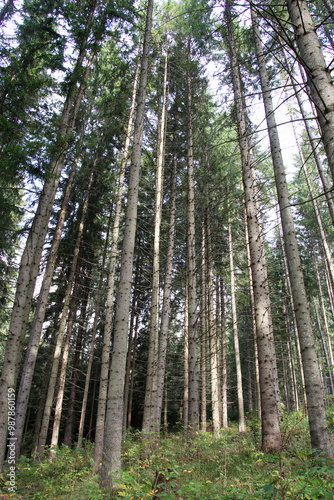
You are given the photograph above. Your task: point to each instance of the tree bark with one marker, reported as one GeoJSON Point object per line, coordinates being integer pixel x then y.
{"type": "Point", "coordinates": [271, 437]}
{"type": "Point", "coordinates": [319, 78]}
{"type": "Point", "coordinates": [241, 411]}
{"type": "Point", "coordinates": [166, 306]}
{"type": "Point", "coordinates": [111, 461]}
{"type": "Point", "coordinates": [102, 401]}
{"type": "Point", "coordinates": [224, 361]}
{"type": "Point", "coordinates": [191, 249]}
{"type": "Point", "coordinates": [150, 404]}
{"type": "Point", "coordinates": [33, 249]}
{"type": "Point", "coordinates": [37, 324]}
{"type": "Point", "coordinates": [320, 439]}
{"type": "Point", "coordinates": [61, 333]}
{"type": "Point", "coordinates": [203, 316]}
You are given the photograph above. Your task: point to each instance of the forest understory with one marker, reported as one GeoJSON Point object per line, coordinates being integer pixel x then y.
{"type": "Point", "coordinates": [174, 467]}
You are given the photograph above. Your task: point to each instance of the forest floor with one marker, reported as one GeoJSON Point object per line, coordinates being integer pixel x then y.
{"type": "Point", "coordinates": [232, 467]}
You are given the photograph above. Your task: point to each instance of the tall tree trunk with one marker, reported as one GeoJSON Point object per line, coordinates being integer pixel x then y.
{"type": "Point", "coordinates": [92, 342]}
{"type": "Point", "coordinates": [186, 357]}
{"type": "Point", "coordinates": [191, 249]}
{"type": "Point", "coordinates": [102, 401]}
{"type": "Point", "coordinates": [271, 437]}
{"type": "Point", "coordinates": [323, 236]}
{"type": "Point", "coordinates": [319, 78]}
{"type": "Point", "coordinates": [328, 368]}
{"type": "Point", "coordinates": [203, 316]}
{"type": "Point", "coordinates": [129, 409]}
{"type": "Point", "coordinates": [131, 335]}
{"type": "Point", "coordinates": [150, 403]}
{"type": "Point", "coordinates": [111, 460]}
{"type": "Point", "coordinates": [313, 141]}
{"type": "Point", "coordinates": [166, 305]}
{"type": "Point", "coordinates": [33, 249]}
{"type": "Point", "coordinates": [37, 324]}
{"type": "Point", "coordinates": [63, 366]}
{"type": "Point", "coordinates": [212, 336]}
{"type": "Point", "coordinates": [325, 321]}
{"type": "Point", "coordinates": [256, 354]}
{"type": "Point", "coordinates": [224, 361]}
{"type": "Point", "coordinates": [74, 379]}
{"type": "Point", "coordinates": [242, 426]}
{"type": "Point", "coordinates": [320, 439]}
{"type": "Point", "coordinates": [61, 332]}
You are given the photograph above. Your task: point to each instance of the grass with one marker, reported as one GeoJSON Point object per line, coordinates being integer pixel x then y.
{"type": "Point", "coordinates": [230, 468]}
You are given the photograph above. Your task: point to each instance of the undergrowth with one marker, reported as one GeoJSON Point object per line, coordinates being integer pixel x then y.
{"type": "Point", "coordinates": [230, 468]}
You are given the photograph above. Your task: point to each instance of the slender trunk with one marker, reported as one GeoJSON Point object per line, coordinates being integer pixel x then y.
{"type": "Point", "coordinates": [203, 317]}
{"type": "Point", "coordinates": [37, 324]}
{"type": "Point", "coordinates": [166, 306]}
{"type": "Point", "coordinates": [320, 439]}
{"type": "Point", "coordinates": [224, 363]}
{"type": "Point", "coordinates": [74, 379]}
{"type": "Point", "coordinates": [292, 375]}
{"type": "Point", "coordinates": [111, 460]}
{"type": "Point", "coordinates": [242, 426]}
{"type": "Point", "coordinates": [33, 250]}
{"type": "Point", "coordinates": [102, 401]}
{"type": "Point", "coordinates": [133, 369]}
{"type": "Point", "coordinates": [63, 367]}
{"type": "Point", "coordinates": [131, 335]}
{"type": "Point", "coordinates": [186, 358]}
{"type": "Point", "coordinates": [212, 337]}
{"type": "Point", "coordinates": [323, 236]}
{"type": "Point", "coordinates": [296, 336]}
{"type": "Point", "coordinates": [331, 386]}
{"type": "Point", "coordinates": [150, 403]}
{"type": "Point", "coordinates": [319, 77]}
{"type": "Point", "coordinates": [191, 249]}
{"type": "Point", "coordinates": [42, 399]}
{"type": "Point", "coordinates": [256, 354]}
{"type": "Point", "coordinates": [61, 333]}
{"type": "Point", "coordinates": [325, 321]}
{"type": "Point", "coordinates": [271, 437]}
{"type": "Point", "coordinates": [313, 141]}
{"type": "Point", "coordinates": [92, 343]}
{"type": "Point", "coordinates": [219, 347]}
{"type": "Point", "coordinates": [285, 379]}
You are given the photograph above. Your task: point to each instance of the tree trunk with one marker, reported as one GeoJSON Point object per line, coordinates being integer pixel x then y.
{"type": "Point", "coordinates": [313, 141]}
{"type": "Point", "coordinates": [33, 249]}
{"type": "Point", "coordinates": [166, 306]}
{"type": "Point", "coordinates": [271, 437]}
{"type": "Point", "coordinates": [74, 379]}
{"type": "Point", "coordinates": [191, 249]}
{"type": "Point", "coordinates": [150, 403]}
{"type": "Point", "coordinates": [319, 78]}
{"type": "Point", "coordinates": [224, 363]}
{"type": "Point", "coordinates": [320, 439]}
{"type": "Point", "coordinates": [111, 460]}
{"type": "Point", "coordinates": [242, 426]}
{"type": "Point", "coordinates": [251, 292]}
{"type": "Point", "coordinates": [92, 343]}
{"type": "Point", "coordinates": [203, 316]}
{"type": "Point", "coordinates": [37, 324]}
{"type": "Point", "coordinates": [186, 357]}
{"type": "Point", "coordinates": [129, 410]}
{"type": "Point", "coordinates": [131, 335]}
{"type": "Point", "coordinates": [212, 337]}
{"type": "Point", "coordinates": [102, 401]}
{"type": "Point", "coordinates": [61, 333]}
